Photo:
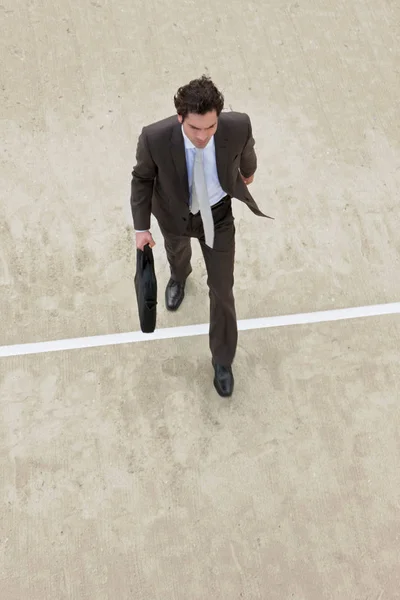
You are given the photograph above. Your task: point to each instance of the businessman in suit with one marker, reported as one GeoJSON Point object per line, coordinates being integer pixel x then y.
{"type": "Point", "coordinates": [188, 169]}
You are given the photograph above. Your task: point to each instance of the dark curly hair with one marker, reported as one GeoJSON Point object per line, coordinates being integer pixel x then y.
{"type": "Point", "coordinates": [199, 96]}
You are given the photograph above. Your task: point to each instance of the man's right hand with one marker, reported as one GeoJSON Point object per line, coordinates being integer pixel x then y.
{"type": "Point", "coordinates": [144, 238]}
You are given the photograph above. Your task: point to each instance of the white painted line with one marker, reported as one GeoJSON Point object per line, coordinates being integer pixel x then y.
{"type": "Point", "coordinates": [193, 330]}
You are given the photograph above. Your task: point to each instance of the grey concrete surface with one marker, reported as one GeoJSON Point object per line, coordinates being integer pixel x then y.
{"type": "Point", "coordinates": [79, 79]}
{"type": "Point", "coordinates": [123, 475]}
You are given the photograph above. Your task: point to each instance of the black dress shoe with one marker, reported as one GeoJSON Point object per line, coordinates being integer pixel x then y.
{"type": "Point", "coordinates": [223, 380]}
{"type": "Point", "coordinates": [174, 294]}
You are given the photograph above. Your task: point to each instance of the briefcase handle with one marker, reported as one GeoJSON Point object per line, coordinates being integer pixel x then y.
{"type": "Point", "coordinates": [145, 256]}
{"type": "Point", "coordinates": [148, 252]}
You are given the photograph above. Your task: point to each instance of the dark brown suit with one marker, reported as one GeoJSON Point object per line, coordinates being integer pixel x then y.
{"type": "Point", "coordinates": [160, 186]}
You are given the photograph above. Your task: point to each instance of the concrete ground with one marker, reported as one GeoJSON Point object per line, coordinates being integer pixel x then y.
{"type": "Point", "coordinates": [123, 474]}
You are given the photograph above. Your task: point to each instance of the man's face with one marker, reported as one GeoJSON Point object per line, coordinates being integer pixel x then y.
{"type": "Point", "coordinates": [200, 128]}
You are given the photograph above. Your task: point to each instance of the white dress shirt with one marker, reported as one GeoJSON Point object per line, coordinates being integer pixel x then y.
{"type": "Point", "coordinates": [214, 189]}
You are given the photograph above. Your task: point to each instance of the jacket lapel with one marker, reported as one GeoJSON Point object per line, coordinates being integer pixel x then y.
{"type": "Point", "coordinates": [221, 151]}
{"type": "Point", "coordinates": [179, 158]}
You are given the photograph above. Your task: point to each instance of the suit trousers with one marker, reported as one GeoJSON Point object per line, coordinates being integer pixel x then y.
{"type": "Point", "coordinates": [219, 261]}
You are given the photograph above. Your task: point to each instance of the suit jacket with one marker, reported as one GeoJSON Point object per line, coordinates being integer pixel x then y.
{"type": "Point", "coordinates": [146, 289]}
{"type": "Point", "coordinates": [160, 180]}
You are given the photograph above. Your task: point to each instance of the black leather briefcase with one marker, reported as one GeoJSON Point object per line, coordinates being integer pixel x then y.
{"type": "Point", "coordinates": [146, 289]}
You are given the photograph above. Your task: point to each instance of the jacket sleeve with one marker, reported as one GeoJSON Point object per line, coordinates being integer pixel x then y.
{"type": "Point", "coordinates": [248, 160]}
{"type": "Point", "coordinates": [143, 176]}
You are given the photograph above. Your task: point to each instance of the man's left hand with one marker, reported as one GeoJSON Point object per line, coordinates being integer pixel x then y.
{"type": "Point", "coordinates": [247, 180]}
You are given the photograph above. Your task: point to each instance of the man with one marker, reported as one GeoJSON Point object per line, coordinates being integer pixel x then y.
{"type": "Point", "coordinates": [188, 168]}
